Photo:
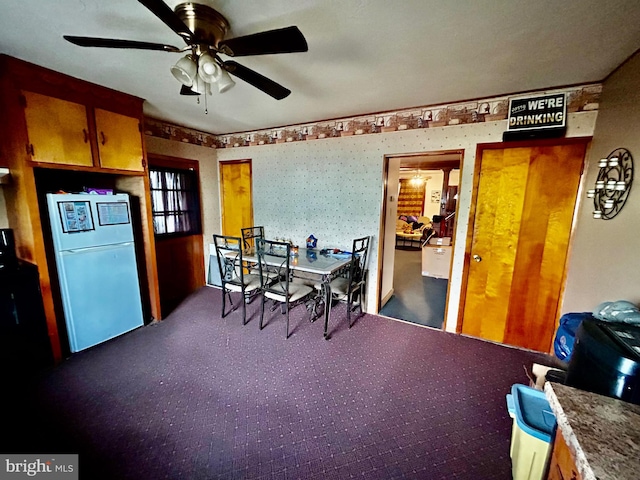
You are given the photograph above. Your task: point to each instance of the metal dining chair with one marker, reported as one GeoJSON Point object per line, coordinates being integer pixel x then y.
{"type": "Point", "coordinates": [351, 286]}
{"type": "Point", "coordinates": [249, 234]}
{"type": "Point", "coordinates": [274, 261]}
{"type": "Point", "coordinates": [233, 274]}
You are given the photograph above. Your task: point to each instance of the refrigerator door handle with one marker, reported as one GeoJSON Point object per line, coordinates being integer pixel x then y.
{"type": "Point", "coordinates": [95, 249]}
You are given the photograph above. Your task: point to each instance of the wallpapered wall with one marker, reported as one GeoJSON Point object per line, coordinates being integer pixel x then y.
{"type": "Point", "coordinates": [333, 188]}
{"type": "Point", "coordinates": [332, 192]}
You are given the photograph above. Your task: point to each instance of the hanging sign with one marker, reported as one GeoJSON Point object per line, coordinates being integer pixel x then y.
{"type": "Point", "coordinates": [535, 113]}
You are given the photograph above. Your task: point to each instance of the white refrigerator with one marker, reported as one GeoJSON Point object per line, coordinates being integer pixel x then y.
{"type": "Point", "coordinates": [95, 258]}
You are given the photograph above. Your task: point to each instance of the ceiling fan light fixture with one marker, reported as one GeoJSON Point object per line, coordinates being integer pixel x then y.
{"type": "Point", "coordinates": [208, 69]}
{"type": "Point", "coordinates": [201, 86]}
{"type": "Point", "coordinates": [204, 29]}
{"type": "Point", "coordinates": [225, 82]}
{"type": "Point", "coordinates": [185, 70]}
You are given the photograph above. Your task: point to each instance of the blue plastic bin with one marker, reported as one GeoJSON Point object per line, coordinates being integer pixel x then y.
{"type": "Point", "coordinates": [533, 427]}
{"type": "Point", "coordinates": [566, 333]}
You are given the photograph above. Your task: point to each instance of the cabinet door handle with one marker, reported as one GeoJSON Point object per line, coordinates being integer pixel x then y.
{"type": "Point", "coordinates": [85, 134]}
{"type": "Point", "coordinates": [103, 138]}
{"type": "Point", "coordinates": [30, 149]}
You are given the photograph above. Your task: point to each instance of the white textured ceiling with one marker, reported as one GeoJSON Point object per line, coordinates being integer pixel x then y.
{"type": "Point", "coordinates": [364, 56]}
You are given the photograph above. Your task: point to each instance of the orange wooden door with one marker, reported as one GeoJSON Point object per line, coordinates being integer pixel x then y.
{"type": "Point", "coordinates": [236, 196]}
{"type": "Point", "coordinates": [525, 202]}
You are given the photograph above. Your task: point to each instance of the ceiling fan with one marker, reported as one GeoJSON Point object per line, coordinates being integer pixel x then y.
{"type": "Point", "coordinates": [203, 30]}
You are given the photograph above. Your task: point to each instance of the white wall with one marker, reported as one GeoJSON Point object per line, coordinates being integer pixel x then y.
{"type": "Point", "coordinates": [333, 187]}
{"type": "Point", "coordinates": [454, 178]}
{"type": "Point", "coordinates": [433, 184]}
{"type": "Point", "coordinates": [389, 241]}
{"type": "Point", "coordinates": [604, 263]}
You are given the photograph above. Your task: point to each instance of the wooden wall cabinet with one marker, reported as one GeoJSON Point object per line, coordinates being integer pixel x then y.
{"type": "Point", "coordinates": [63, 132]}
{"type": "Point", "coordinates": [56, 126]}
{"type": "Point", "coordinates": [119, 142]}
{"type": "Point", "coordinates": [58, 130]}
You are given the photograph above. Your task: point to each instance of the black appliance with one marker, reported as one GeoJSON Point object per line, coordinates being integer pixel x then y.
{"type": "Point", "coordinates": [606, 360]}
{"type": "Point", "coordinates": [24, 339]}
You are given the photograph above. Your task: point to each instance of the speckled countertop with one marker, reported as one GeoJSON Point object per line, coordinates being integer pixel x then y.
{"type": "Point", "coordinates": [602, 433]}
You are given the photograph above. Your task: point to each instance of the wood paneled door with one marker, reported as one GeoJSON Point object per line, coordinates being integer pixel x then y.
{"type": "Point", "coordinates": [236, 196]}
{"type": "Point", "coordinates": [525, 197]}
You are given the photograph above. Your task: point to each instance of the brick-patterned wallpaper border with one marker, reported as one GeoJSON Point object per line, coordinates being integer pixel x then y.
{"type": "Point", "coordinates": [581, 98]}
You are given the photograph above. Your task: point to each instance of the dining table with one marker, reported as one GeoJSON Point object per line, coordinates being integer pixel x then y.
{"type": "Point", "coordinates": [311, 265]}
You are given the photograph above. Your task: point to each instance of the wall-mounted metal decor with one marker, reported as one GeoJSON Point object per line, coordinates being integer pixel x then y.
{"type": "Point", "coordinates": [613, 184]}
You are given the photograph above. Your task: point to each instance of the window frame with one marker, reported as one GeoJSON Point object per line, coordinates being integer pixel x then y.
{"type": "Point", "coordinates": [194, 211]}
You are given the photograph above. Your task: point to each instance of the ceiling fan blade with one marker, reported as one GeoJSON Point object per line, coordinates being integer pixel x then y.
{"type": "Point", "coordinates": [168, 16]}
{"type": "Point", "coordinates": [184, 90]}
{"type": "Point", "coordinates": [261, 82]}
{"type": "Point", "coordinates": [114, 43]}
{"type": "Point", "coordinates": [282, 40]}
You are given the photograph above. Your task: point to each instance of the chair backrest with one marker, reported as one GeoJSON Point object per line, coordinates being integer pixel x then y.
{"type": "Point", "coordinates": [229, 252]}
{"type": "Point", "coordinates": [358, 265]}
{"type": "Point", "coordinates": [249, 234]}
{"type": "Point", "coordinates": [274, 258]}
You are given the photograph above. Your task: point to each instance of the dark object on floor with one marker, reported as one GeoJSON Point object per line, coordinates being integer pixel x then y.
{"type": "Point", "coordinates": [556, 376]}
{"type": "Point", "coordinates": [24, 340]}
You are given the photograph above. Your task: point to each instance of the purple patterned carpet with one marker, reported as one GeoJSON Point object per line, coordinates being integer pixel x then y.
{"type": "Point", "coordinates": [200, 397]}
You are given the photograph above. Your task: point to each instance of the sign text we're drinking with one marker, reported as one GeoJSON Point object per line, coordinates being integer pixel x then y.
{"type": "Point", "coordinates": [529, 113]}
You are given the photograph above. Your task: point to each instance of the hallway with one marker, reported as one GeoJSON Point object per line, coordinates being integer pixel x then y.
{"type": "Point", "coordinates": [416, 298]}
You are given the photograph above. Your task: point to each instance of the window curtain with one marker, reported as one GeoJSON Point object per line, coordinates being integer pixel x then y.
{"type": "Point", "coordinates": [172, 196]}
{"type": "Point", "coordinates": [411, 198]}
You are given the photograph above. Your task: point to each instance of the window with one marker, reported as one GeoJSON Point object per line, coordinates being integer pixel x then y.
{"type": "Point", "coordinates": [175, 204]}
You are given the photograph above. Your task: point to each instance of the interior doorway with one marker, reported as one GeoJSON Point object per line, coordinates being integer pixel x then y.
{"type": "Point", "coordinates": [419, 225]}
{"type": "Point", "coordinates": [236, 196]}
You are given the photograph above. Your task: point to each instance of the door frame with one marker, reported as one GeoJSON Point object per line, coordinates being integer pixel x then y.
{"type": "Point", "coordinates": [480, 148]}
{"type": "Point", "coordinates": [386, 193]}
{"type": "Point", "coordinates": [221, 164]}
